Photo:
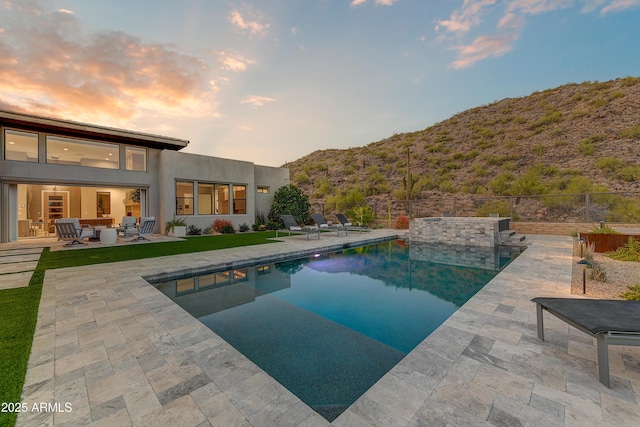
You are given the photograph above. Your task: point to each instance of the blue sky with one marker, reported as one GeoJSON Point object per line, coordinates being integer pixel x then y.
{"type": "Point", "coordinates": [271, 81]}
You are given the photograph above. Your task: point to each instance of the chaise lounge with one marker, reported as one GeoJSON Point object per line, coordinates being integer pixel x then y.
{"type": "Point", "coordinates": [291, 226]}
{"type": "Point", "coordinates": [611, 322]}
{"type": "Point", "coordinates": [348, 225]}
{"type": "Point", "coordinates": [323, 225]}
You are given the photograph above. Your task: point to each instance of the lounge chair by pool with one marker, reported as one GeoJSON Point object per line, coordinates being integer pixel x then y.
{"type": "Point", "coordinates": [611, 322]}
{"type": "Point", "coordinates": [291, 226]}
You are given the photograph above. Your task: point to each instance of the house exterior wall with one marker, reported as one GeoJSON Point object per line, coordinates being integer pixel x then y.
{"type": "Point", "coordinates": [165, 165]}
{"type": "Point", "coordinates": [271, 177]}
{"type": "Point", "coordinates": [177, 166]}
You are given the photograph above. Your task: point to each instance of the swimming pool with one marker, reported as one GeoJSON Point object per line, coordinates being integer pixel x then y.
{"type": "Point", "coordinates": [329, 326]}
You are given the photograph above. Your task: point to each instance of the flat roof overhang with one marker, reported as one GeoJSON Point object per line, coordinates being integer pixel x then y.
{"type": "Point", "coordinates": [93, 132]}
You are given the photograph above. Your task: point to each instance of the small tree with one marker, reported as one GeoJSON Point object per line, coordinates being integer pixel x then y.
{"type": "Point", "coordinates": [290, 200]}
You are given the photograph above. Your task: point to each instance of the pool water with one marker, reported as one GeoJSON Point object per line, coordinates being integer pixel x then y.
{"type": "Point", "coordinates": [327, 327]}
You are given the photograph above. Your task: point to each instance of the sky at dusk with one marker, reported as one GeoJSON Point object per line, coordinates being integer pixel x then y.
{"type": "Point", "coordinates": [271, 81]}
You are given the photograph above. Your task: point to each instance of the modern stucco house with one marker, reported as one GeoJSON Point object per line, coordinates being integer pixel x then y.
{"type": "Point", "coordinates": [51, 168]}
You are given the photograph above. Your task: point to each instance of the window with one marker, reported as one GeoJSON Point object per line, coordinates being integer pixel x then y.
{"type": "Point", "coordinates": [205, 199]}
{"type": "Point", "coordinates": [263, 189]}
{"type": "Point", "coordinates": [136, 159]}
{"type": "Point", "coordinates": [221, 199]}
{"type": "Point", "coordinates": [184, 198]}
{"type": "Point", "coordinates": [20, 146]}
{"type": "Point", "coordinates": [66, 151]}
{"type": "Point", "coordinates": [239, 199]}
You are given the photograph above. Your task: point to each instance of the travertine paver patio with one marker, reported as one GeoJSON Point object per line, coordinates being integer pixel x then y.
{"type": "Point", "coordinates": [121, 353]}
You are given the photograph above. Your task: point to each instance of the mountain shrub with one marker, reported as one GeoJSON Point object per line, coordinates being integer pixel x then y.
{"type": "Point", "coordinates": [500, 207]}
{"type": "Point", "coordinates": [609, 164]}
{"type": "Point", "coordinates": [632, 133]}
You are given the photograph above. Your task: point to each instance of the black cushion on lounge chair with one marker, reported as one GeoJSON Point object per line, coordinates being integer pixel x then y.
{"type": "Point", "coordinates": [611, 322]}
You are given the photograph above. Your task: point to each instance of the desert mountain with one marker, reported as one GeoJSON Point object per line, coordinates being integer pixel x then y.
{"type": "Point", "coordinates": [572, 139]}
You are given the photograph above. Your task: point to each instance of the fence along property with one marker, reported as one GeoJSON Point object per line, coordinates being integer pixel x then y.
{"type": "Point", "coordinates": [542, 214]}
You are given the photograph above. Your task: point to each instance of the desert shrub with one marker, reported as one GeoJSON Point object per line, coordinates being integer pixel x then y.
{"type": "Point", "coordinates": [599, 102]}
{"type": "Point", "coordinates": [447, 186]}
{"type": "Point", "coordinates": [302, 178]}
{"type": "Point", "coordinates": [586, 148]}
{"type": "Point", "coordinates": [501, 184]}
{"type": "Point", "coordinates": [219, 224]}
{"type": "Point", "coordinates": [630, 173]}
{"type": "Point", "coordinates": [402, 223]}
{"type": "Point", "coordinates": [243, 227]}
{"type": "Point", "coordinates": [323, 186]}
{"type": "Point", "coordinates": [604, 229]}
{"type": "Point", "coordinates": [194, 230]}
{"type": "Point", "coordinates": [479, 170]}
{"type": "Point", "coordinates": [207, 230]}
{"type": "Point", "coordinates": [597, 273]}
{"type": "Point", "coordinates": [500, 207]}
{"type": "Point", "coordinates": [289, 200]}
{"type": "Point", "coordinates": [632, 294]}
{"type": "Point", "coordinates": [630, 251]}
{"type": "Point", "coordinates": [609, 164]}
{"type": "Point", "coordinates": [551, 116]}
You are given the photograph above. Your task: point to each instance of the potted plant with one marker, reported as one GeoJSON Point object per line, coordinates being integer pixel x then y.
{"type": "Point", "coordinates": [177, 227]}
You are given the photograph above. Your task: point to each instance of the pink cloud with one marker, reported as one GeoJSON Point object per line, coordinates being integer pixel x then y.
{"type": "Point", "coordinates": [48, 65]}
{"type": "Point", "coordinates": [250, 22]}
{"type": "Point", "coordinates": [618, 5]}
{"type": "Point", "coordinates": [534, 7]}
{"type": "Point", "coordinates": [256, 100]}
{"type": "Point", "coordinates": [482, 48]}
{"type": "Point", "coordinates": [467, 17]}
{"type": "Point", "coordinates": [511, 21]}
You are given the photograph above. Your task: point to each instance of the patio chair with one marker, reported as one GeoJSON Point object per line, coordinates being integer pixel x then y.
{"type": "Point", "coordinates": [70, 229]}
{"type": "Point", "coordinates": [145, 228]}
{"type": "Point", "coordinates": [128, 226]}
{"type": "Point", "coordinates": [348, 225]}
{"type": "Point", "coordinates": [611, 322]}
{"type": "Point", "coordinates": [292, 227]}
{"type": "Point", "coordinates": [323, 225]}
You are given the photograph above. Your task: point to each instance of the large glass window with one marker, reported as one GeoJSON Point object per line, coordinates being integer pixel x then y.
{"type": "Point", "coordinates": [184, 198]}
{"type": "Point", "coordinates": [136, 159]}
{"type": "Point", "coordinates": [66, 151]}
{"type": "Point", "coordinates": [205, 199]}
{"type": "Point", "coordinates": [239, 199]}
{"type": "Point", "coordinates": [222, 199]}
{"type": "Point", "coordinates": [21, 146]}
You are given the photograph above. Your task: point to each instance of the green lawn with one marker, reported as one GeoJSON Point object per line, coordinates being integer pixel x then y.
{"type": "Point", "coordinates": [19, 307]}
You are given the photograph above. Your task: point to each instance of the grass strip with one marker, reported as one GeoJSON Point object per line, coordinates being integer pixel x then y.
{"type": "Point", "coordinates": [18, 316]}
{"type": "Point", "coordinates": [19, 307]}
{"type": "Point", "coordinates": [89, 256]}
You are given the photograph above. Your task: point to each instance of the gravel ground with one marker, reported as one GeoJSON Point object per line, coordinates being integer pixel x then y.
{"type": "Point", "coordinates": [620, 275]}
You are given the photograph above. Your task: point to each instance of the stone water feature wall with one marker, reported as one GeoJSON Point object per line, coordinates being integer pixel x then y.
{"type": "Point", "coordinates": [459, 231]}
